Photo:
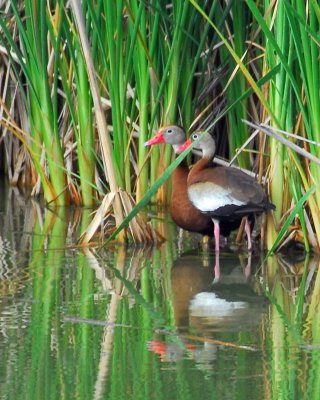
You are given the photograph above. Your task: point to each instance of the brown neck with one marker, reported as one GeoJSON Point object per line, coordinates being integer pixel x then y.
{"type": "Point", "coordinates": [180, 175]}
{"type": "Point", "coordinates": [199, 166]}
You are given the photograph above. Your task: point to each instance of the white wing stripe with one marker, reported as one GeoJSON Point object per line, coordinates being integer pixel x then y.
{"type": "Point", "coordinates": [209, 197]}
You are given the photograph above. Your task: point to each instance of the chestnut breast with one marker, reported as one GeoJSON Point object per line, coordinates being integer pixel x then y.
{"type": "Point", "coordinates": [183, 212]}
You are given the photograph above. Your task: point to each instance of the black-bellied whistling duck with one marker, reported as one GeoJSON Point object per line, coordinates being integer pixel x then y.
{"type": "Point", "coordinates": [184, 214]}
{"type": "Point", "coordinates": [182, 210]}
{"type": "Point", "coordinates": [223, 193]}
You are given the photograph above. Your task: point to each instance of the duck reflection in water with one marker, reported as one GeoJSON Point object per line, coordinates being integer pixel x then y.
{"type": "Point", "coordinates": [229, 304]}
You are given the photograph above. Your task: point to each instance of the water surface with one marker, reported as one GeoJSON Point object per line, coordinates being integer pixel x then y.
{"type": "Point", "coordinates": [149, 322]}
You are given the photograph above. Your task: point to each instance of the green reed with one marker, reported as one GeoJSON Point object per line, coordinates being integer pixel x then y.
{"type": "Point", "coordinates": [141, 73]}
{"type": "Point", "coordinates": [293, 99]}
{"type": "Point", "coordinates": [39, 90]}
{"type": "Point", "coordinates": [78, 115]}
{"type": "Point", "coordinates": [237, 131]}
{"type": "Point", "coordinates": [184, 66]}
{"type": "Point", "coordinates": [292, 328]}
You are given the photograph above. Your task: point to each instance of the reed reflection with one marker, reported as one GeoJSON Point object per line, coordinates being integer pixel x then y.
{"type": "Point", "coordinates": [146, 321]}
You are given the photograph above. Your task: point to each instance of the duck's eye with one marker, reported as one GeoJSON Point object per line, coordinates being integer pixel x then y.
{"type": "Point", "coordinates": [195, 136]}
{"type": "Point", "coordinates": [169, 130]}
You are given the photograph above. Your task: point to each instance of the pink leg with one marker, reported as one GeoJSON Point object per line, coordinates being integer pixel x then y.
{"type": "Point", "coordinates": [247, 270]}
{"type": "Point", "coordinates": [248, 232]}
{"type": "Point", "coordinates": [216, 234]}
{"type": "Point", "coordinates": [217, 273]}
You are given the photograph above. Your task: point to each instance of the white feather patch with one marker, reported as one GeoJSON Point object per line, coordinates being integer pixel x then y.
{"type": "Point", "coordinates": [208, 197]}
{"type": "Point", "coordinates": [206, 304]}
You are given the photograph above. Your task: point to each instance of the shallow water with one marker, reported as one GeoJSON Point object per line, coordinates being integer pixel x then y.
{"type": "Point", "coordinates": [149, 323]}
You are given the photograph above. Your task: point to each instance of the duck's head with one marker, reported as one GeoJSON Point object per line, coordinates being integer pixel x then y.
{"type": "Point", "coordinates": [170, 134]}
{"type": "Point", "coordinates": [204, 143]}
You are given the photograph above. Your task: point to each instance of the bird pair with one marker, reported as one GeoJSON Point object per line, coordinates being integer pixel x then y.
{"type": "Point", "coordinates": [210, 200]}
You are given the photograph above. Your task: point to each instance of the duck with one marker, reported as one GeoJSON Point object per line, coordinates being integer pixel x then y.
{"type": "Point", "coordinates": [225, 194]}
{"type": "Point", "coordinates": [183, 211]}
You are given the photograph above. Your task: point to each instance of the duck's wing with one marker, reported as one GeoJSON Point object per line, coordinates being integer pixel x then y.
{"type": "Point", "coordinates": [229, 190]}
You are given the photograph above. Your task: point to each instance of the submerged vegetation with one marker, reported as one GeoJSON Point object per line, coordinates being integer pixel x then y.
{"type": "Point", "coordinates": [83, 88]}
